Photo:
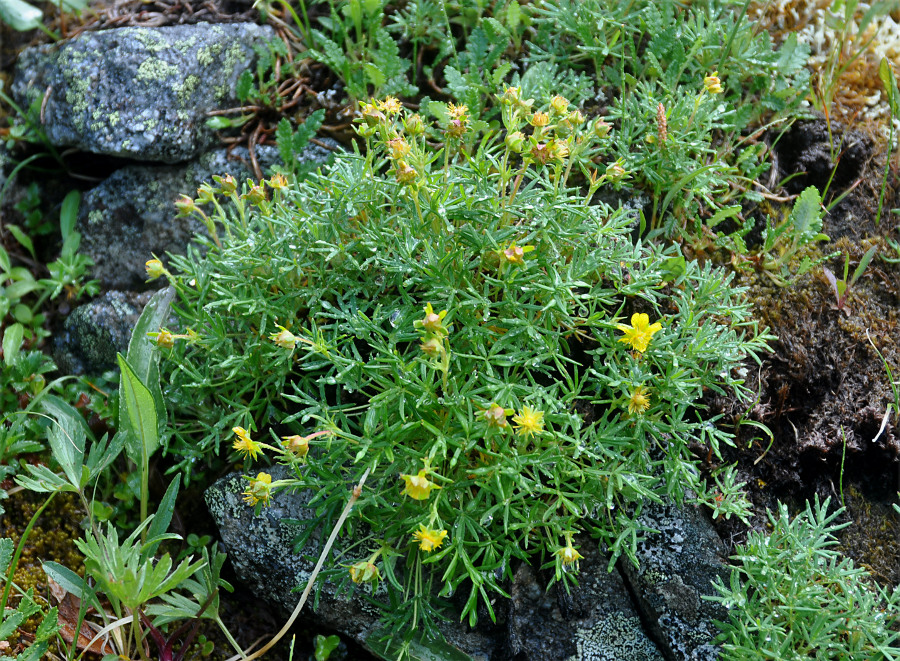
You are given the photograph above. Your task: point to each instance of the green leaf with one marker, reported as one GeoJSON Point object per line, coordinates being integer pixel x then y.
{"type": "Point", "coordinates": [325, 646]}
{"type": "Point", "coordinates": [164, 513]}
{"type": "Point", "coordinates": [68, 213]}
{"type": "Point", "coordinates": [22, 238]}
{"type": "Point", "coordinates": [6, 552]}
{"type": "Point", "coordinates": [375, 76]}
{"type": "Point", "coordinates": [20, 15]}
{"type": "Point", "coordinates": [142, 354]}
{"type": "Point", "coordinates": [5, 263]}
{"type": "Point", "coordinates": [141, 415]}
{"type": "Point", "coordinates": [244, 86]}
{"type": "Point", "coordinates": [219, 123]}
{"type": "Point", "coordinates": [12, 342]}
{"type": "Point", "coordinates": [863, 263]}
{"type": "Point", "coordinates": [806, 217]}
{"type": "Point", "coordinates": [69, 581]}
{"type": "Point", "coordinates": [283, 138]}
{"type": "Point", "coordinates": [886, 73]}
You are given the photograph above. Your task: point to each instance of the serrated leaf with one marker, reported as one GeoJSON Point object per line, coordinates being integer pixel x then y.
{"type": "Point", "coordinates": [806, 216]}
{"type": "Point", "coordinates": [722, 214]}
{"type": "Point", "coordinates": [283, 139]}
{"type": "Point", "coordinates": [244, 86]}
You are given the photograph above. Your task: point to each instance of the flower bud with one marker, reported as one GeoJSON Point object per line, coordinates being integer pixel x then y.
{"type": "Point", "coordinates": [559, 105]}
{"type": "Point", "coordinates": [432, 347]}
{"type": "Point", "coordinates": [364, 572]}
{"type": "Point", "coordinates": [299, 445]}
{"type": "Point", "coordinates": [278, 181]}
{"type": "Point", "coordinates": [601, 128]}
{"type": "Point", "coordinates": [165, 339]}
{"type": "Point", "coordinates": [154, 269]}
{"type": "Point", "coordinates": [256, 195]}
{"type": "Point", "coordinates": [515, 141]}
{"type": "Point", "coordinates": [712, 83]}
{"type": "Point", "coordinates": [227, 184]}
{"type": "Point", "coordinates": [414, 125]}
{"type": "Point", "coordinates": [405, 173]}
{"type": "Point", "coordinates": [185, 206]}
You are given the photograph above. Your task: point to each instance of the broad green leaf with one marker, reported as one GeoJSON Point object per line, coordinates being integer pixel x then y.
{"type": "Point", "coordinates": [66, 414]}
{"type": "Point", "coordinates": [68, 213]}
{"type": "Point", "coordinates": [12, 342]}
{"type": "Point", "coordinates": [22, 238]}
{"type": "Point", "coordinates": [20, 15]}
{"type": "Point", "coordinates": [5, 263]}
{"type": "Point", "coordinates": [140, 415]}
{"type": "Point", "coordinates": [143, 355]}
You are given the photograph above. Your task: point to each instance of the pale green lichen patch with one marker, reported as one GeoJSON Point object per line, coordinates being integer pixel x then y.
{"type": "Point", "coordinates": [155, 69]}
{"type": "Point", "coordinates": [186, 89]}
{"type": "Point", "coordinates": [95, 216]}
{"type": "Point", "coordinates": [150, 40]}
{"type": "Point", "coordinates": [207, 55]}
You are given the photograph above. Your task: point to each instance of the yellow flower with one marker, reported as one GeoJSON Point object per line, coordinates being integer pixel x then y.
{"type": "Point", "coordinates": [399, 148]}
{"type": "Point", "coordinates": [640, 332]}
{"type": "Point", "coordinates": [154, 269]}
{"type": "Point", "coordinates": [284, 338]}
{"type": "Point", "coordinates": [165, 339]}
{"type": "Point", "coordinates": [712, 84]}
{"type": "Point", "coordinates": [260, 489]}
{"type": "Point", "coordinates": [390, 105]}
{"type": "Point", "coordinates": [429, 539]}
{"type": "Point", "coordinates": [639, 400]}
{"type": "Point", "coordinates": [457, 112]}
{"type": "Point", "coordinates": [245, 444]}
{"type": "Point", "coordinates": [568, 554]}
{"type": "Point", "coordinates": [418, 487]}
{"type": "Point", "coordinates": [529, 422]}
{"type": "Point", "coordinates": [364, 572]}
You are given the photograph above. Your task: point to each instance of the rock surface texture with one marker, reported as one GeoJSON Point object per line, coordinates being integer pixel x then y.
{"type": "Point", "coordinates": [655, 613]}
{"type": "Point", "coordinates": [140, 93]}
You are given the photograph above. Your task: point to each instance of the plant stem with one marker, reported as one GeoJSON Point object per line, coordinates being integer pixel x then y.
{"type": "Point", "coordinates": [357, 491]}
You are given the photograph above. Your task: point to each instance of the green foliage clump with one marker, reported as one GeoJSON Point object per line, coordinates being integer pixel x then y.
{"type": "Point", "coordinates": [794, 597]}
{"type": "Point", "coordinates": [510, 364]}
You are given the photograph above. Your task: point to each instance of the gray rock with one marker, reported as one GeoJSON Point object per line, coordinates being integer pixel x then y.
{"type": "Point", "coordinates": [677, 567]}
{"type": "Point", "coordinates": [260, 549]}
{"type": "Point", "coordinates": [95, 331]}
{"type": "Point", "coordinates": [140, 93]}
{"type": "Point", "coordinates": [132, 214]}
{"type": "Point", "coordinates": [594, 621]}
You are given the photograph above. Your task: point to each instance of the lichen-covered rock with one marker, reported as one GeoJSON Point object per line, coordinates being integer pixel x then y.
{"type": "Point", "coordinates": [260, 549]}
{"type": "Point", "coordinates": [677, 568]}
{"type": "Point", "coordinates": [132, 214]}
{"type": "Point", "coordinates": [94, 332]}
{"type": "Point", "coordinates": [594, 621]}
{"type": "Point", "coordinates": [140, 93]}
